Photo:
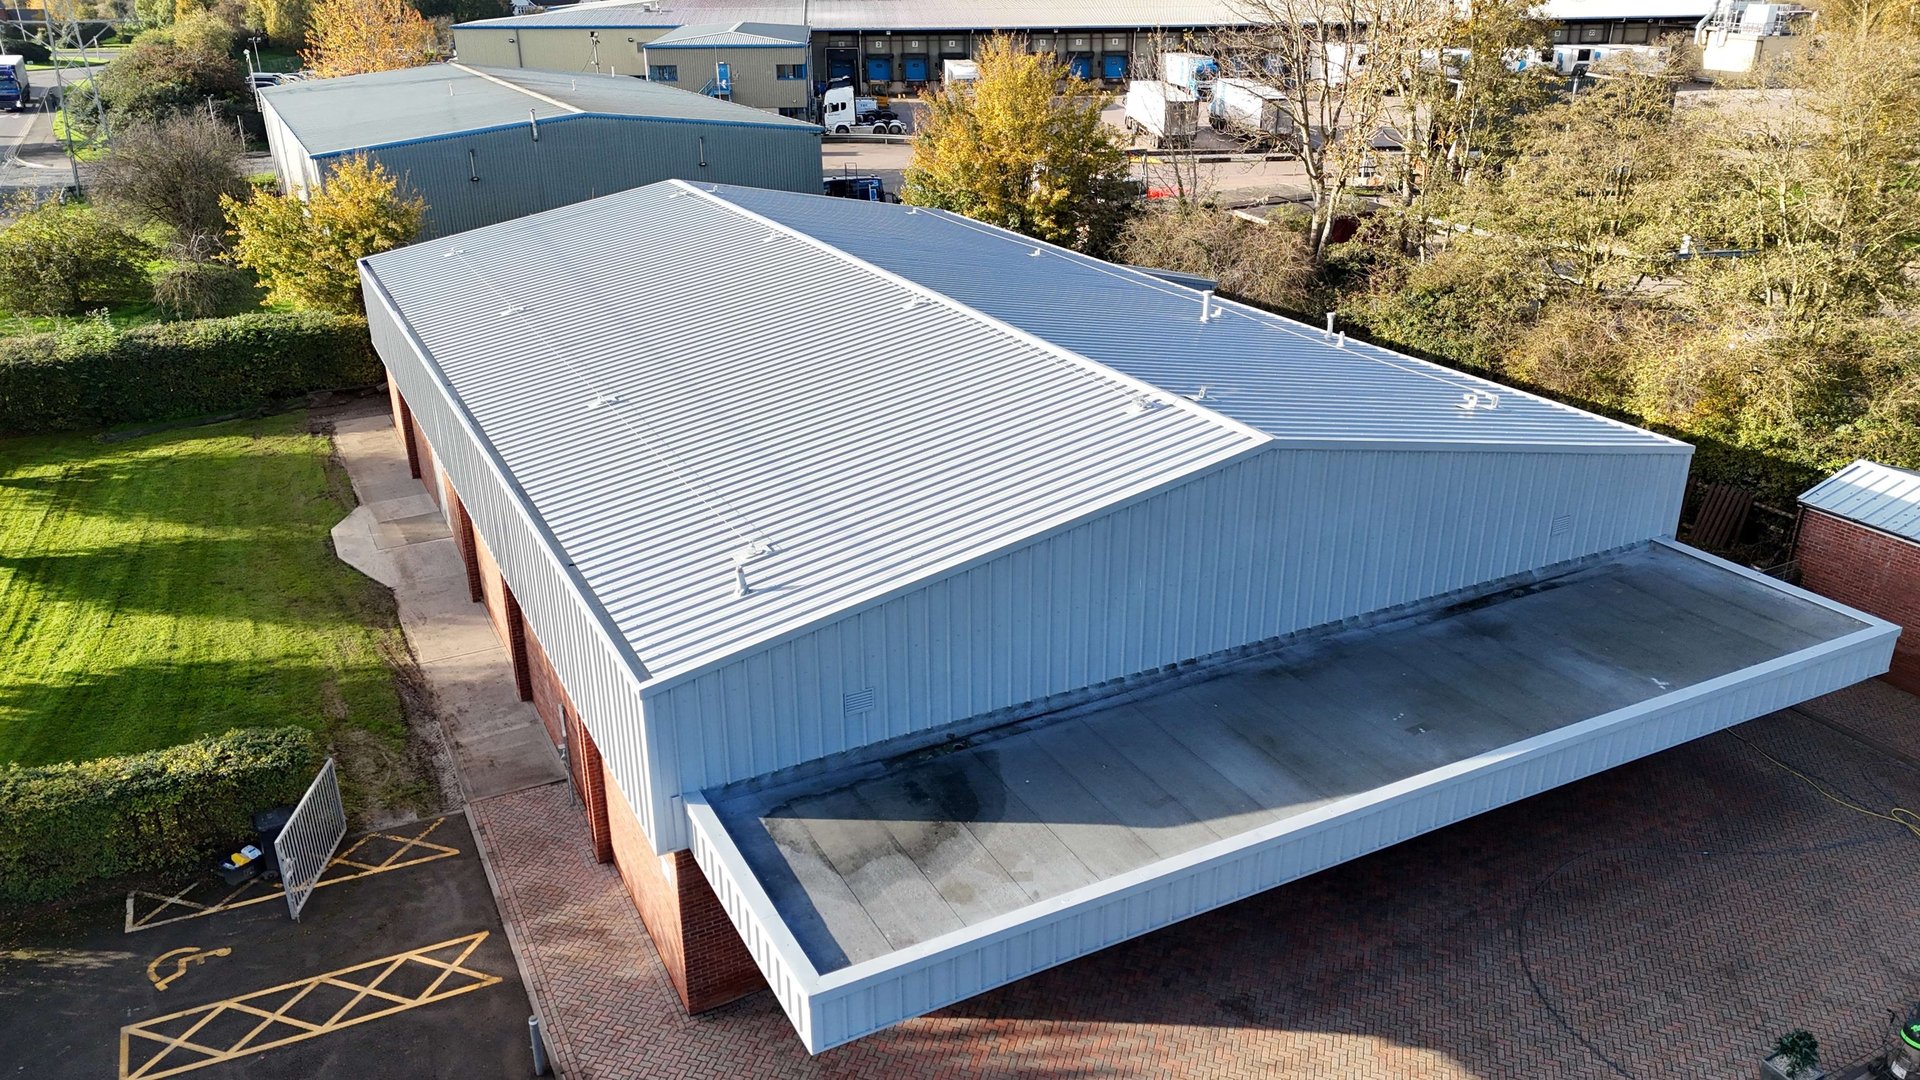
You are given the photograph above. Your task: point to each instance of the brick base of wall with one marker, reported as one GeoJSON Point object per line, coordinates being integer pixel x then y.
{"type": "Point", "coordinates": [705, 959]}
{"type": "Point", "coordinates": [1869, 570]}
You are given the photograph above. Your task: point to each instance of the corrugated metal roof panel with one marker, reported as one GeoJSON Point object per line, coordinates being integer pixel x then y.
{"type": "Point", "coordinates": [1272, 373]}
{"type": "Point", "coordinates": [382, 108]}
{"type": "Point", "coordinates": [1871, 494]}
{"type": "Point", "coordinates": [723, 35]}
{"type": "Point", "coordinates": [672, 381]}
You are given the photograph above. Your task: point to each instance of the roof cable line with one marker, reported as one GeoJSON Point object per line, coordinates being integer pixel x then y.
{"type": "Point", "coordinates": [752, 538]}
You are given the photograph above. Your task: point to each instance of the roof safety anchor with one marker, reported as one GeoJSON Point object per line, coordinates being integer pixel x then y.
{"type": "Point", "coordinates": [1479, 399]}
{"type": "Point", "coordinates": [740, 560]}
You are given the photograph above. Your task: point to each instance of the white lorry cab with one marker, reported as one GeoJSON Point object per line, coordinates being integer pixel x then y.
{"type": "Point", "coordinates": [1192, 72]}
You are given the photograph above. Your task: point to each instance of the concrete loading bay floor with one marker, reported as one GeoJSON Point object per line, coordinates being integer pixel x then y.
{"type": "Point", "coordinates": [399, 967]}
{"type": "Point", "coordinates": [863, 865]}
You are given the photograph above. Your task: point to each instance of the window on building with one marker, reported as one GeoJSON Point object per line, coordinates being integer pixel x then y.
{"type": "Point", "coordinates": [663, 72]}
{"type": "Point", "coordinates": [790, 71]}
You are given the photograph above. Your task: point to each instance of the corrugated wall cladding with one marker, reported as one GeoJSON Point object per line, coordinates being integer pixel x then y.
{"type": "Point", "coordinates": [597, 674]}
{"type": "Point", "coordinates": [1275, 543]}
{"type": "Point", "coordinates": [583, 157]}
{"type": "Point", "coordinates": [290, 161]}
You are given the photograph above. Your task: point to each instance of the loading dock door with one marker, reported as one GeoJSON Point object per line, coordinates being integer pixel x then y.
{"type": "Point", "coordinates": [1081, 66]}
{"type": "Point", "coordinates": [1113, 66]}
{"type": "Point", "coordinates": [914, 69]}
{"type": "Point", "coordinates": [841, 64]}
{"type": "Point", "coordinates": [879, 69]}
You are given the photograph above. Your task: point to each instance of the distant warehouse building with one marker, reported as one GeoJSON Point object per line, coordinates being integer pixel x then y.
{"type": "Point", "coordinates": [899, 658]}
{"type": "Point", "coordinates": [758, 64]}
{"type": "Point", "coordinates": [899, 45]}
{"type": "Point", "coordinates": [483, 146]}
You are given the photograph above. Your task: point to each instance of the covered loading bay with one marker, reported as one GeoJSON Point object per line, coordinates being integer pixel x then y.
{"type": "Point", "coordinates": [883, 892]}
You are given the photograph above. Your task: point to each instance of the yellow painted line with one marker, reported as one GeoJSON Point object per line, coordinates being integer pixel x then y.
{"type": "Point", "coordinates": [181, 958]}
{"type": "Point", "coordinates": [345, 859]}
{"type": "Point", "coordinates": [148, 1053]}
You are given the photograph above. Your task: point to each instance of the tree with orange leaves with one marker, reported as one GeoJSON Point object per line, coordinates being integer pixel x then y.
{"type": "Point", "coordinates": [352, 37]}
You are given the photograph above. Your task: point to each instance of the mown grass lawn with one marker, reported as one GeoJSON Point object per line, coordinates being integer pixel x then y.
{"type": "Point", "coordinates": [176, 584]}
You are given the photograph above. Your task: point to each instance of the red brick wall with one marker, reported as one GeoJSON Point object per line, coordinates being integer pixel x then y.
{"type": "Point", "coordinates": [1875, 572]}
{"type": "Point", "coordinates": [549, 697]}
{"type": "Point", "coordinates": [465, 541]}
{"type": "Point", "coordinates": [429, 468]}
{"type": "Point", "coordinates": [704, 956]}
{"type": "Point", "coordinates": [504, 610]}
{"type": "Point", "coordinates": [403, 423]}
{"type": "Point", "coordinates": [589, 782]}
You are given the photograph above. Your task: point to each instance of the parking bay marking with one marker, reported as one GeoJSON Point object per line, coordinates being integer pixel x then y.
{"type": "Point", "coordinates": [167, 1045]}
{"type": "Point", "coordinates": [356, 868]}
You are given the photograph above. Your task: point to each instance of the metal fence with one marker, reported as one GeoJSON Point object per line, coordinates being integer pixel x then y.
{"type": "Point", "coordinates": [306, 845]}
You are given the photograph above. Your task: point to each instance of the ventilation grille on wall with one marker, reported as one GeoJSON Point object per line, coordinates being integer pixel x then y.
{"type": "Point", "coordinates": [858, 702]}
{"type": "Point", "coordinates": [1562, 525]}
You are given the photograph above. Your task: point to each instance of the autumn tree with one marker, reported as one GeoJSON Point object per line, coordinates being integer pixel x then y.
{"type": "Point", "coordinates": [65, 258]}
{"type": "Point", "coordinates": [1016, 150]}
{"type": "Point", "coordinates": [305, 251]}
{"type": "Point", "coordinates": [352, 37]}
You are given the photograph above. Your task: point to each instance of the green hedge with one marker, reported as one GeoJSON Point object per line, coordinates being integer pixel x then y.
{"type": "Point", "coordinates": [93, 375]}
{"type": "Point", "coordinates": [66, 827]}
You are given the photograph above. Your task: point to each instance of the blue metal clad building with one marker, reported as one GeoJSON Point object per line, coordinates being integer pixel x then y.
{"type": "Point", "coordinates": [484, 146]}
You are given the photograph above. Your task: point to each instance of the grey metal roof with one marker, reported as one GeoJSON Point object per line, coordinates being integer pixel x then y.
{"type": "Point", "coordinates": [1875, 495]}
{"type": "Point", "coordinates": [388, 107]}
{"type": "Point", "coordinates": [732, 35]}
{"type": "Point", "coordinates": [661, 374]}
{"type": "Point", "coordinates": [829, 15]}
{"type": "Point", "coordinates": [1287, 379]}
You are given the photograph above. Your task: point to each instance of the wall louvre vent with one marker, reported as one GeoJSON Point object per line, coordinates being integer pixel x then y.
{"type": "Point", "coordinates": [1562, 525]}
{"type": "Point", "coordinates": [858, 702]}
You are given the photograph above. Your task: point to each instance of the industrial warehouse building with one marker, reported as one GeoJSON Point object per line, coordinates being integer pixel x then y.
{"type": "Point", "coordinates": [896, 658]}
{"type": "Point", "coordinates": [483, 146]}
{"type": "Point", "coordinates": [757, 64]}
{"type": "Point", "coordinates": [898, 45]}
{"type": "Point", "coordinates": [1859, 542]}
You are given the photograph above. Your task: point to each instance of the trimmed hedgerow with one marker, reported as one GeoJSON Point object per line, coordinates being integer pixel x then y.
{"type": "Point", "coordinates": [67, 827]}
{"type": "Point", "coordinates": [94, 375]}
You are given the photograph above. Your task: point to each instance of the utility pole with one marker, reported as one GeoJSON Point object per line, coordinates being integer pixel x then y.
{"type": "Point", "coordinates": [60, 87]}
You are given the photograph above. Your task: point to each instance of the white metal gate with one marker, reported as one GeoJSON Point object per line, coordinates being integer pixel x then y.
{"type": "Point", "coordinates": [306, 845]}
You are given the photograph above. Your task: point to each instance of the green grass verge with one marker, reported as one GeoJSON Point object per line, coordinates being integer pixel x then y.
{"type": "Point", "coordinates": [180, 584]}
{"type": "Point", "coordinates": [13, 324]}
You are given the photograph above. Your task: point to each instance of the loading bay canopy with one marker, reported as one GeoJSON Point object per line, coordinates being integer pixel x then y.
{"type": "Point", "coordinates": [883, 891]}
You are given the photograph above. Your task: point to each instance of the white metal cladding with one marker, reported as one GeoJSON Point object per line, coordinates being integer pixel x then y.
{"type": "Point", "coordinates": [479, 178]}
{"type": "Point", "coordinates": [1877, 496]}
{"type": "Point", "coordinates": [1287, 379]}
{"type": "Point", "coordinates": [685, 424]}
{"type": "Point", "coordinates": [831, 1009]}
{"type": "Point", "coordinates": [592, 660]}
{"type": "Point", "coordinates": [1264, 546]}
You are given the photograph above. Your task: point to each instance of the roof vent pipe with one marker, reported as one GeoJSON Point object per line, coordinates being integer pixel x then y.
{"type": "Point", "coordinates": [1207, 313]}
{"type": "Point", "coordinates": [533, 118]}
{"type": "Point", "coordinates": [1329, 324]}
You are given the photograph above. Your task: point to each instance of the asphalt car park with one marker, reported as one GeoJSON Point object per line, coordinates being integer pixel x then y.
{"type": "Point", "coordinates": [398, 966]}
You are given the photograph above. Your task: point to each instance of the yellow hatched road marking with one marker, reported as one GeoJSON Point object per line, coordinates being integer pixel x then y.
{"type": "Point", "coordinates": [145, 1049]}
{"type": "Point", "coordinates": [232, 900]}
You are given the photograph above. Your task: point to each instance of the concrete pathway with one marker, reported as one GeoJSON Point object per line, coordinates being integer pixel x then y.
{"type": "Point", "coordinates": [398, 537]}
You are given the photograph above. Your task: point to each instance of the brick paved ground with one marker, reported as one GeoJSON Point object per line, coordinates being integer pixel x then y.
{"type": "Point", "coordinates": [1668, 918]}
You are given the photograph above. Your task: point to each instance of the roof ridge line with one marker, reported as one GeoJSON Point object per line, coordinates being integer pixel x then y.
{"type": "Point", "coordinates": [556, 102]}
{"type": "Point", "coordinates": [1087, 364]}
